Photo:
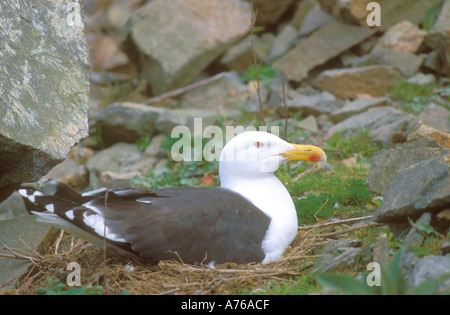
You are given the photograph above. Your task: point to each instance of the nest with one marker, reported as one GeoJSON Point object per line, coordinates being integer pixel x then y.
{"type": "Point", "coordinates": [120, 275]}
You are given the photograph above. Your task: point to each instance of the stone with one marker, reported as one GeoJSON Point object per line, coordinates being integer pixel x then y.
{"type": "Point", "coordinates": [301, 11]}
{"type": "Point", "coordinates": [189, 117]}
{"type": "Point", "coordinates": [312, 103]}
{"type": "Point", "coordinates": [120, 161]}
{"type": "Point", "coordinates": [415, 237]}
{"type": "Point", "coordinates": [443, 222]}
{"type": "Point", "coordinates": [71, 174]}
{"type": "Point", "coordinates": [127, 122]}
{"type": "Point", "coordinates": [440, 27]}
{"type": "Point", "coordinates": [329, 262]}
{"type": "Point", "coordinates": [392, 12]}
{"type": "Point", "coordinates": [24, 228]}
{"type": "Point", "coordinates": [268, 11]}
{"type": "Point", "coordinates": [404, 37]}
{"type": "Point", "coordinates": [431, 267]}
{"type": "Point", "coordinates": [436, 117]}
{"type": "Point", "coordinates": [321, 46]}
{"type": "Point", "coordinates": [12, 207]}
{"type": "Point", "coordinates": [358, 106]}
{"type": "Point", "coordinates": [386, 125]}
{"type": "Point", "coordinates": [418, 130]}
{"type": "Point", "coordinates": [315, 19]}
{"type": "Point", "coordinates": [387, 164]}
{"type": "Point", "coordinates": [44, 88]}
{"type": "Point", "coordinates": [350, 83]}
{"type": "Point", "coordinates": [309, 123]}
{"type": "Point", "coordinates": [171, 42]}
{"type": "Point", "coordinates": [283, 41]}
{"type": "Point", "coordinates": [239, 57]}
{"type": "Point", "coordinates": [422, 79]}
{"type": "Point", "coordinates": [381, 251]}
{"type": "Point", "coordinates": [423, 187]}
{"type": "Point", "coordinates": [406, 64]}
{"type": "Point", "coordinates": [223, 96]}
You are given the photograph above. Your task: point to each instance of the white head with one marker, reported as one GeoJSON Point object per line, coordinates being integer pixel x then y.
{"type": "Point", "coordinates": [254, 154]}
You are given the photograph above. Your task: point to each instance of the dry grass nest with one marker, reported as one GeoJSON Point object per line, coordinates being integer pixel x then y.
{"type": "Point", "coordinates": [136, 276]}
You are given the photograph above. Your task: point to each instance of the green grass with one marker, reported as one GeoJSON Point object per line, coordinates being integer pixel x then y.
{"type": "Point", "coordinates": [345, 147]}
{"type": "Point", "coordinates": [323, 194]}
{"type": "Point", "coordinates": [414, 97]}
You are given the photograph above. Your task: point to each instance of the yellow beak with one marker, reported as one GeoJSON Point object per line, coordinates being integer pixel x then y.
{"type": "Point", "coordinates": [305, 153]}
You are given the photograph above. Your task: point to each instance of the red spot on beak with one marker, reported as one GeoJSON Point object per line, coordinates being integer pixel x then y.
{"type": "Point", "coordinates": [315, 158]}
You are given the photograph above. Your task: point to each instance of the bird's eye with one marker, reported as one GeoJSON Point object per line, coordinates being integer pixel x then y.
{"type": "Point", "coordinates": [259, 144]}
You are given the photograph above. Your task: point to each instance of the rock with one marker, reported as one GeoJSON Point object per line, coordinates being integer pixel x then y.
{"type": "Point", "coordinates": [71, 174]}
{"type": "Point", "coordinates": [283, 41]}
{"type": "Point", "coordinates": [44, 87]}
{"type": "Point", "coordinates": [13, 231]}
{"type": "Point", "coordinates": [127, 122]}
{"type": "Point", "coordinates": [301, 11]}
{"type": "Point", "coordinates": [324, 44]}
{"type": "Point", "coordinates": [154, 148]}
{"type": "Point", "coordinates": [423, 187]}
{"type": "Point", "coordinates": [443, 222]}
{"type": "Point", "coordinates": [386, 125]}
{"type": "Point", "coordinates": [339, 255]}
{"type": "Point", "coordinates": [422, 79]}
{"type": "Point", "coordinates": [421, 131]}
{"type": "Point", "coordinates": [189, 117]}
{"type": "Point", "coordinates": [439, 30]}
{"type": "Point", "coordinates": [404, 37]}
{"type": "Point", "coordinates": [436, 117]}
{"type": "Point", "coordinates": [12, 207]}
{"type": "Point", "coordinates": [240, 56]}
{"type": "Point", "coordinates": [312, 103]}
{"type": "Point", "coordinates": [387, 164]}
{"type": "Point", "coordinates": [433, 62]}
{"type": "Point", "coordinates": [309, 123]}
{"type": "Point", "coordinates": [120, 162]}
{"type": "Point", "coordinates": [223, 96]}
{"type": "Point", "coordinates": [358, 106]}
{"type": "Point", "coordinates": [315, 19]}
{"type": "Point", "coordinates": [105, 53]}
{"type": "Point", "coordinates": [415, 238]}
{"type": "Point", "coordinates": [350, 83]}
{"type": "Point", "coordinates": [431, 267]}
{"type": "Point", "coordinates": [392, 12]}
{"type": "Point", "coordinates": [381, 251]}
{"type": "Point", "coordinates": [199, 32]}
{"type": "Point", "coordinates": [406, 64]}
{"type": "Point", "coordinates": [268, 11]}
{"type": "Point", "coordinates": [445, 248]}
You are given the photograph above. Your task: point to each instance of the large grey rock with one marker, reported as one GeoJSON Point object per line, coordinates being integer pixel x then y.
{"type": "Point", "coordinates": [440, 27]}
{"type": "Point", "coordinates": [268, 11]}
{"type": "Point", "coordinates": [319, 47]}
{"type": "Point", "coordinates": [313, 103]}
{"type": "Point", "coordinates": [423, 187]}
{"type": "Point", "coordinates": [387, 164]}
{"type": "Point", "coordinates": [350, 83]}
{"type": "Point", "coordinates": [386, 125]}
{"type": "Point", "coordinates": [44, 88]}
{"type": "Point", "coordinates": [392, 12]}
{"type": "Point", "coordinates": [171, 41]}
{"type": "Point", "coordinates": [127, 122]}
{"type": "Point", "coordinates": [358, 106]}
{"type": "Point", "coordinates": [431, 267]}
{"type": "Point", "coordinates": [436, 117]}
{"type": "Point", "coordinates": [405, 63]}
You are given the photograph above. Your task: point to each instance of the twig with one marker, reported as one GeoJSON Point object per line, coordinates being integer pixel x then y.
{"type": "Point", "coordinates": [104, 235]}
{"type": "Point", "coordinates": [322, 225]}
{"type": "Point", "coordinates": [286, 116]}
{"type": "Point", "coordinates": [258, 85]}
{"type": "Point", "coordinates": [354, 228]}
{"type": "Point", "coordinates": [185, 89]}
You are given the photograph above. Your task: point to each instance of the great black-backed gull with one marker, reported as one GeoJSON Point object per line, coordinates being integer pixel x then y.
{"type": "Point", "coordinates": [250, 218]}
